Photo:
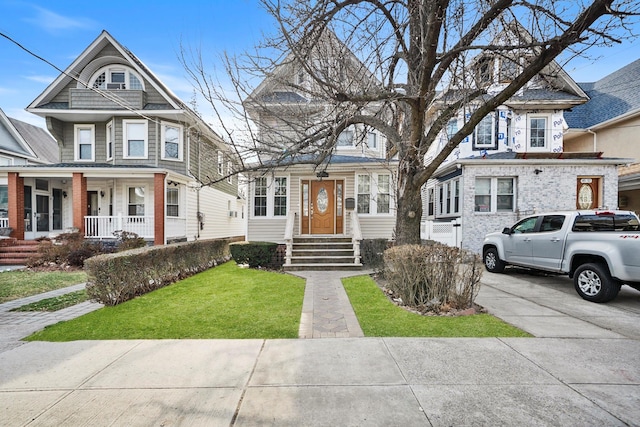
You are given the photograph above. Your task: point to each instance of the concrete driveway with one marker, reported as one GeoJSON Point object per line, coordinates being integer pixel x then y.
{"type": "Point", "coordinates": [547, 305]}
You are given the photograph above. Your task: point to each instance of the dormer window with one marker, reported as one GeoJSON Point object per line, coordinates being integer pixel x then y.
{"type": "Point", "coordinates": [484, 71]}
{"type": "Point", "coordinates": [116, 77]}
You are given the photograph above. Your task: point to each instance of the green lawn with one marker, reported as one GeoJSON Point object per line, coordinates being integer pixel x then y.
{"type": "Point", "coordinates": [22, 283]}
{"type": "Point", "coordinates": [56, 303]}
{"type": "Point", "coordinates": [223, 302]}
{"type": "Point", "coordinates": [379, 317]}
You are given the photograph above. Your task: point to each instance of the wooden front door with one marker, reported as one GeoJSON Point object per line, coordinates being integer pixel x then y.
{"type": "Point", "coordinates": [322, 207]}
{"type": "Point", "coordinates": [588, 193]}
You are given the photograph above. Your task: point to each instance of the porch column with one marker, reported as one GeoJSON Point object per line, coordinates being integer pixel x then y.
{"type": "Point", "coordinates": [16, 205]}
{"type": "Point", "coordinates": [79, 190]}
{"type": "Point", "coordinates": [158, 208]}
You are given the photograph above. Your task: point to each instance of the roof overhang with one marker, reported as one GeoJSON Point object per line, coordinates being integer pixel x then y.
{"type": "Point", "coordinates": [105, 115]}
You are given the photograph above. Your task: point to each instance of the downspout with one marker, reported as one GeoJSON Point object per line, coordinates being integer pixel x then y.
{"type": "Point", "coordinates": [595, 140]}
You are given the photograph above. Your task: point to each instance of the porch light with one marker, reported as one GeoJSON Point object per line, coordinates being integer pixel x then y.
{"type": "Point", "coordinates": [102, 194]}
{"type": "Point", "coordinates": [64, 194]}
{"type": "Point", "coordinates": [322, 174]}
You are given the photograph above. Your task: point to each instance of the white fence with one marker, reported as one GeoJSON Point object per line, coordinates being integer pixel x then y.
{"type": "Point", "coordinates": [4, 222]}
{"type": "Point", "coordinates": [446, 232]}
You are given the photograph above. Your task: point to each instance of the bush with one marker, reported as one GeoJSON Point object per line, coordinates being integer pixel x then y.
{"type": "Point", "coordinates": [115, 278]}
{"type": "Point", "coordinates": [433, 277]}
{"type": "Point", "coordinates": [66, 248]}
{"type": "Point", "coordinates": [255, 254]}
{"type": "Point", "coordinates": [126, 240]}
{"type": "Point", "coordinates": [372, 252]}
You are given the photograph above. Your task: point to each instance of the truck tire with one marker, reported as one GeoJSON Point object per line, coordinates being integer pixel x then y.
{"type": "Point", "coordinates": [492, 261]}
{"type": "Point", "coordinates": [594, 283]}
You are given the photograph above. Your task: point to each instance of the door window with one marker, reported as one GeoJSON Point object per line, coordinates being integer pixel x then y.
{"type": "Point", "coordinates": [527, 225]}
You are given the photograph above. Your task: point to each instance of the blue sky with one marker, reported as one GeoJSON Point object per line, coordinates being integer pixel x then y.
{"type": "Point", "coordinates": [60, 30]}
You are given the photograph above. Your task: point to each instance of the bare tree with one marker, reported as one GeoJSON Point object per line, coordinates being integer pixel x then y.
{"type": "Point", "coordinates": [403, 67]}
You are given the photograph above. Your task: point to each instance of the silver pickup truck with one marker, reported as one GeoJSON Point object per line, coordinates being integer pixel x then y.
{"type": "Point", "coordinates": [600, 250]}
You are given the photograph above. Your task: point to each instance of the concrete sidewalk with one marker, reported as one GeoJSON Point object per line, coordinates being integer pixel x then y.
{"type": "Point", "coordinates": [328, 382]}
{"type": "Point", "coordinates": [582, 370]}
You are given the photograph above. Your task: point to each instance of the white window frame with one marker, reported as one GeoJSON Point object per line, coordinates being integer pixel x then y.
{"type": "Point", "coordinates": [372, 140]}
{"type": "Point", "coordinates": [229, 172]}
{"type": "Point", "coordinates": [76, 142]}
{"type": "Point", "coordinates": [109, 140]}
{"type": "Point", "coordinates": [340, 141]}
{"type": "Point", "coordinates": [270, 196]}
{"type": "Point", "coordinates": [177, 204]}
{"type": "Point", "coordinates": [125, 138]}
{"type": "Point", "coordinates": [107, 70]}
{"type": "Point", "coordinates": [493, 143]}
{"type": "Point", "coordinates": [220, 163]}
{"type": "Point", "coordinates": [144, 203]}
{"type": "Point", "coordinates": [547, 131]}
{"type": "Point", "coordinates": [164, 126]}
{"type": "Point", "coordinates": [446, 194]}
{"type": "Point", "coordinates": [493, 194]}
{"type": "Point", "coordinates": [373, 193]}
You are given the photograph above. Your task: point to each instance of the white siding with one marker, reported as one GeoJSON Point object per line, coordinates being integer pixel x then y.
{"type": "Point", "coordinates": [215, 205]}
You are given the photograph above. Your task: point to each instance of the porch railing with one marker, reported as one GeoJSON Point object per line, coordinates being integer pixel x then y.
{"type": "Point", "coordinates": [356, 236]}
{"type": "Point", "coordinates": [103, 226]}
{"type": "Point", "coordinates": [288, 237]}
{"type": "Point", "coordinates": [4, 222]}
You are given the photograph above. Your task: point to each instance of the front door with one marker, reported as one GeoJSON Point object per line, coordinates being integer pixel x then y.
{"type": "Point", "coordinates": [322, 206]}
{"type": "Point", "coordinates": [42, 213]}
{"type": "Point", "coordinates": [588, 193]}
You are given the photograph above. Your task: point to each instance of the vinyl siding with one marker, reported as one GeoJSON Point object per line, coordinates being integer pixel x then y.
{"type": "Point", "coordinates": [215, 206]}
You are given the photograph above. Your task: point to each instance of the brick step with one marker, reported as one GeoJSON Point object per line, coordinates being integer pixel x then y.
{"type": "Point", "coordinates": [15, 261]}
{"type": "Point", "coordinates": [11, 249]}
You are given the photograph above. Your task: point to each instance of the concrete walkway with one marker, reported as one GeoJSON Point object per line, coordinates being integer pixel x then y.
{"type": "Point", "coordinates": [326, 310]}
{"type": "Point", "coordinates": [15, 325]}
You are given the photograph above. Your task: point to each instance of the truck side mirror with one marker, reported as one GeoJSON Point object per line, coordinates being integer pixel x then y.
{"type": "Point", "coordinates": [506, 230]}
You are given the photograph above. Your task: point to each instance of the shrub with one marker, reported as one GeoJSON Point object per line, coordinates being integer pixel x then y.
{"type": "Point", "coordinates": [126, 240]}
{"type": "Point", "coordinates": [255, 254]}
{"type": "Point", "coordinates": [118, 277]}
{"type": "Point", "coordinates": [66, 248]}
{"type": "Point", "coordinates": [433, 277]}
{"type": "Point", "coordinates": [372, 252]}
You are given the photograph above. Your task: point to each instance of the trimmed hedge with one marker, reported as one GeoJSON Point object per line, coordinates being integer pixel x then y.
{"type": "Point", "coordinates": [255, 254]}
{"type": "Point", "coordinates": [119, 277]}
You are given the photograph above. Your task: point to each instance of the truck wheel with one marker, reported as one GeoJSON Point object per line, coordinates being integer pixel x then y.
{"type": "Point", "coordinates": [594, 283]}
{"type": "Point", "coordinates": [492, 261]}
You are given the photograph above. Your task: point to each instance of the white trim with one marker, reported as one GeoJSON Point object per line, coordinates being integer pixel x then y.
{"type": "Point", "coordinates": [125, 139]}
{"type": "Point", "coordinates": [373, 194]}
{"type": "Point", "coordinates": [493, 194]}
{"type": "Point", "coordinates": [270, 181]}
{"type": "Point", "coordinates": [163, 126]}
{"type": "Point", "coordinates": [107, 69]}
{"type": "Point", "coordinates": [76, 143]}
{"type": "Point", "coordinates": [109, 137]}
{"type": "Point", "coordinates": [547, 132]}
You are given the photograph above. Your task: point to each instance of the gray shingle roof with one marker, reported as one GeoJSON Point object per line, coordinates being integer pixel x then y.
{"type": "Point", "coordinates": [45, 147]}
{"type": "Point", "coordinates": [612, 96]}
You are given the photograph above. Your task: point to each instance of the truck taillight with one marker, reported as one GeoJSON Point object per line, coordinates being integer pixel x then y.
{"type": "Point", "coordinates": [605, 213]}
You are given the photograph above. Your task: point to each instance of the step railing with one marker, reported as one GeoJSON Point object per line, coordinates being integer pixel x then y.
{"type": "Point", "coordinates": [288, 237]}
{"type": "Point", "coordinates": [356, 236]}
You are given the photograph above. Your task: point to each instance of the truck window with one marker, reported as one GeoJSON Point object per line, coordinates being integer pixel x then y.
{"type": "Point", "coordinates": [527, 225]}
{"type": "Point", "coordinates": [551, 223]}
{"type": "Point", "coordinates": [618, 222]}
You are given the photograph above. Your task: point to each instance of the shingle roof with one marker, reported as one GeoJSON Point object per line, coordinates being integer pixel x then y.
{"type": "Point", "coordinates": [43, 145]}
{"type": "Point", "coordinates": [612, 96]}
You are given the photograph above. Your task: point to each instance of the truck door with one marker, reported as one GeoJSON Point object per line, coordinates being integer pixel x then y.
{"type": "Point", "coordinates": [548, 242]}
{"type": "Point", "coordinates": [518, 248]}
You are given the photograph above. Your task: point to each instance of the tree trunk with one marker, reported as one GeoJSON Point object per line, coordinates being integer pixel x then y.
{"type": "Point", "coordinates": [409, 210]}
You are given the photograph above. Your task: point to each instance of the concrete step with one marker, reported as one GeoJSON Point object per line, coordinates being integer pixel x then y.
{"type": "Point", "coordinates": [323, 267]}
{"type": "Point", "coordinates": [323, 260]}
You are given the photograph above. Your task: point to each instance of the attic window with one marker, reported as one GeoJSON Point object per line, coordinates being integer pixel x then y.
{"type": "Point", "coordinates": [508, 70]}
{"type": "Point", "coordinates": [116, 77]}
{"type": "Point", "coordinates": [484, 71]}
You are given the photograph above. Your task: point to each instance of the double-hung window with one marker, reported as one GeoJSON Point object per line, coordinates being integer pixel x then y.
{"type": "Point", "coordinates": [84, 146]}
{"type": "Point", "coordinates": [173, 202]}
{"type": "Point", "coordinates": [260, 196]}
{"type": "Point", "coordinates": [484, 136]}
{"type": "Point", "coordinates": [495, 195]}
{"type": "Point", "coordinates": [270, 196]}
{"type": "Point", "coordinates": [538, 126]}
{"type": "Point", "coordinates": [374, 194]}
{"type": "Point", "coordinates": [280, 196]}
{"type": "Point", "coordinates": [136, 201]}
{"type": "Point", "coordinates": [220, 163]}
{"type": "Point", "coordinates": [372, 140]}
{"type": "Point", "coordinates": [364, 194]}
{"type": "Point", "coordinates": [171, 141]}
{"type": "Point", "coordinates": [229, 172]}
{"type": "Point", "coordinates": [109, 139]}
{"type": "Point", "coordinates": [345, 139]}
{"type": "Point", "coordinates": [135, 139]}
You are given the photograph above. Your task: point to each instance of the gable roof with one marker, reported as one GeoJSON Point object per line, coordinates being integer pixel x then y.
{"type": "Point", "coordinates": [614, 96]}
{"type": "Point", "coordinates": [74, 72]}
{"type": "Point", "coordinates": [28, 141]}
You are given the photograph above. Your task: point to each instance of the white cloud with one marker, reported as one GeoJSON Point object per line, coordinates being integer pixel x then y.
{"type": "Point", "coordinates": [41, 79]}
{"type": "Point", "coordinates": [53, 22]}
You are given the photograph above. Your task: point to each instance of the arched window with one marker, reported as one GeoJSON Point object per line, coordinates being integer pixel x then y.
{"type": "Point", "coordinates": [116, 76]}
